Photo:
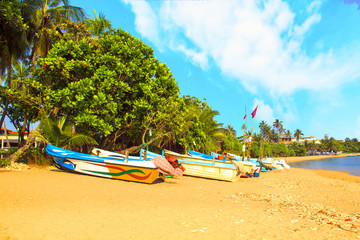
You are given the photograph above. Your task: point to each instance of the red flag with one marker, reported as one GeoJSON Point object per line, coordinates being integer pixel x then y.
{"type": "Point", "coordinates": [245, 113]}
{"type": "Point", "coordinates": [254, 112]}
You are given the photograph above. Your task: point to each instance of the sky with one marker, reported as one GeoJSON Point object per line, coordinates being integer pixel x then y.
{"type": "Point", "coordinates": [298, 61]}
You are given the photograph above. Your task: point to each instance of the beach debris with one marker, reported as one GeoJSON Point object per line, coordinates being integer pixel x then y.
{"type": "Point", "coordinates": [322, 215]}
{"type": "Point", "coordinates": [17, 167]}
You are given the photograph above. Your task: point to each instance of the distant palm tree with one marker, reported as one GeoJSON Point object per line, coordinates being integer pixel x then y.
{"type": "Point", "coordinates": [278, 126]}
{"type": "Point", "coordinates": [98, 24]}
{"type": "Point", "coordinates": [230, 130]}
{"type": "Point", "coordinates": [288, 134]}
{"type": "Point", "coordinates": [298, 134]}
{"type": "Point", "coordinates": [265, 131]}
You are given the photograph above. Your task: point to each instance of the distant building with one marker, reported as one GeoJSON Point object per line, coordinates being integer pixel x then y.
{"type": "Point", "coordinates": [283, 138]}
{"type": "Point", "coordinates": [309, 139]}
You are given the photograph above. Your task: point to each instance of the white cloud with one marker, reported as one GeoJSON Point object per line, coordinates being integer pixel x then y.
{"type": "Point", "coordinates": [314, 6]}
{"type": "Point", "coordinates": [196, 57]}
{"type": "Point", "coordinates": [264, 112]}
{"type": "Point", "coordinates": [146, 21]}
{"type": "Point", "coordinates": [260, 46]}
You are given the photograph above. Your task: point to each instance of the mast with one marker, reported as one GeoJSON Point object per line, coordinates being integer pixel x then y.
{"type": "Point", "coordinates": [253, 114]}
{"type": "Point", "coordinates": [244, 147]}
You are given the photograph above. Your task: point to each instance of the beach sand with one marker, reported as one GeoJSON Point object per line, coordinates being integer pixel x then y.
{"type": "Point", "coordinates": [48, 203]}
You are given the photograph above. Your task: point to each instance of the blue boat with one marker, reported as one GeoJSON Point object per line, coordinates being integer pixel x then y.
{"type": "Point", "coordinates": [129, 170]}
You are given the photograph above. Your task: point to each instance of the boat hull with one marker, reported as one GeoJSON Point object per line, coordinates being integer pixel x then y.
{"type": "Point", "coordinates": [210, 172]}
{"type": "Point", "coordinates": [134, 171]}
{"type": "Point", "coordinates": [212, 168]}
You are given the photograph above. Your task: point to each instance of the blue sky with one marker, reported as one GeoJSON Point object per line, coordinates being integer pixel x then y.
{"type": "Point", "coordinates": [299, 61]}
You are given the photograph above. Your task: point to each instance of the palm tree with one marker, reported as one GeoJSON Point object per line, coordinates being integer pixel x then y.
{"type": "Point", "coordinates": [262, 124]}
{"type": "Point", "coordinates": [265, 130]}
{"type": "Point", "coordinates": [46, 16]}
{"type": "Point", "coordinates": [13, 42]}
{"type": "Point", "coordinates": [288, 134]}
{"type": "Point", "coordinates": [278, 126]}
{"type": "Point", "coordinates": [98, 24]}
{"type": "Point", "coordinates": [229, 130]}
{"type": "Point", "coordinates": [21, 72]}
{"type": "Point", "coordinates": [60, 133]}
{"type": "Point", "coordinates": [211, 127]}
{"type": "Point", "coordinates": [298, 134]}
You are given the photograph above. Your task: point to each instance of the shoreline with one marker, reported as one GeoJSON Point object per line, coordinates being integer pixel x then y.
{"type": "Point", "coordinates": [313, 158]}
{"type": "Point", "coordinates": [327, 173]}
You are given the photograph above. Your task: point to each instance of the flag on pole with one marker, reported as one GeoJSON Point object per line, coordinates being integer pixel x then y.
{"type": "Point", "coordinates": [254, 112]}
{"type": "Point", "coordinates": [245, 113]}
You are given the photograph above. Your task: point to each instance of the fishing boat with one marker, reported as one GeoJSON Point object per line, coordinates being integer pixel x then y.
{"type": "Point", "coordinates": [264, 164]}
{"type": "Point", "coordinates": [279, 164]}
{"type": "Point", "coordinates": [201, 167]}
{"type": "Point", "coordinates": [206, 168]}
{"type": "Point", "coordinates": [226, 158]}
{"type": "Point", "coordinates": [122, 169]}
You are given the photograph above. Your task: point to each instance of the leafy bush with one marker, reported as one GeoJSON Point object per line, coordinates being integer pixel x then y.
{"type": "Point", "coordinates": [4, 163]}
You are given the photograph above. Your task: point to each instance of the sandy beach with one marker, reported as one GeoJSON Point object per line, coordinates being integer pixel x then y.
{"type": "Point", "coordinates": [46, 203]}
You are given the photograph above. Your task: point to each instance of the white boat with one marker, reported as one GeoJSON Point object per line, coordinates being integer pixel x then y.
{"type": "Point", "coordinates": [128, 170]}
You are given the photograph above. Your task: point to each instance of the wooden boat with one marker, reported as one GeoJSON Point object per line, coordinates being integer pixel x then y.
{"type": "Point", "coordinates": [206, 168]}
{"type": "Point", "coordinates": [248, 165]}
{"type": "Point", "coordinates": [264, 165]}
{"type": "Point", "coordinates": [279, 164]}
{"type": "Point", "coordinates": [128, 170]}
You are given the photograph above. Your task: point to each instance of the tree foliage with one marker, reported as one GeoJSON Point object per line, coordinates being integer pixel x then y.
{"type": "Point", "coordinates": [113, 87]}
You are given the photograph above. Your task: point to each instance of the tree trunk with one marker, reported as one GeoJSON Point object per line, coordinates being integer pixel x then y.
{"type": "Point", "coordinates": [2, 120]}
{"type": "Point", "coordinates": [9, 68]}
{"type": "Point", "coordinates": [6, 135]}
{"type": "Point", "coordinates": [29, 142]}
{"type": "Point", "coordinates": [22, 133]}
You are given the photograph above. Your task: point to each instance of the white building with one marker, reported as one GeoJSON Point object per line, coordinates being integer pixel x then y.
{"type": "Point", "coordinates": [309, 139]}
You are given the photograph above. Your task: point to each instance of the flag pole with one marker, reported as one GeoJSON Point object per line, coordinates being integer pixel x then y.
{"type": "Point", "coordinates": [252, 128]}
{"type": "Point", "coordinates": [244, 147]}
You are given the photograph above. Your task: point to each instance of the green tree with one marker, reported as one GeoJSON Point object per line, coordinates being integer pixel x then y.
{"type": "Point", "coordinates": [112, 88]}
{"type": "Point", "coordinates": [205, 132]}
{"type": "Point", "coordinates": [297, 149]}
{"type": "Point", "coordinates": [229, 130]}
{"type": "Point", "coordinates": [98, 24]}
{"type": "Point", "coordinates": [46, 16]}
{"type": "Point", "coordinates": [288, 133]}
{"type": "Point", "coordinates": [61, 133]}
{"type": "Point", "coordinates": [265, 131]}
{"type": "Point", "coordinates": [13, 43]}
{"type": "Point", "coordinates": [278, 126]}
{"type": "Point", "coordinates": [298, 133]}
{"type": "Point", "coordinates": [279, 149]}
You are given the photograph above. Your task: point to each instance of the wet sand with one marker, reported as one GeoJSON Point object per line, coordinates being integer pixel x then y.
{"type": "Point", "coordinates": [290, 204]}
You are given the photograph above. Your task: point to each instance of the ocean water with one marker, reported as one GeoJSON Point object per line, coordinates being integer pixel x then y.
{"type": "Point", "coordinates": [343, 164]}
